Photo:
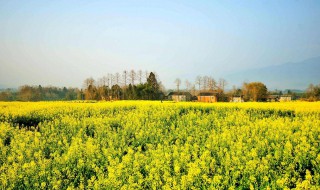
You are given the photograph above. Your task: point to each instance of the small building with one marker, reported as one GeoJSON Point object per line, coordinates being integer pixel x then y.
{"type": "Point", "coordinates": [180, 96]}
{"type": "Point", "coordinates": [285, 98]}
{"type": "Point", "coordinates": [207, 97]}
{"type": "Point", "coordinates": [237, 99]}
{"type": "Point", "coordinates": [273, 98]}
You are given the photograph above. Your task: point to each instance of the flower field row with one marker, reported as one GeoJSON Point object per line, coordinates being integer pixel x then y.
{"type": "Point", "coordinates": [153, 145]}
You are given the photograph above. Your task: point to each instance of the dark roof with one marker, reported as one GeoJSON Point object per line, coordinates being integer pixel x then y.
{"type": "Point", "coordinates": [207, 93]}
{"type": "Point", "coordinates": [179, 93]}
{"type": "Point", "coordinates": [273, 96]}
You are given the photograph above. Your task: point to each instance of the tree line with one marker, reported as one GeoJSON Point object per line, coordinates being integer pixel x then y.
{"type": "Point", "coordinates": [258, 92]}
{"type": "Point", "coordinates": [128, 86]}
{"type": "Point", "coordinates": [250, 91]}
{"type": "Point", "coordinates": [204, 84]}
{"type": "Point", "coordinates": [144, 85]}
{"type": "Point", "coordinates": [254, 91]}
{"type": "Point", "coordinates": [39, 93]}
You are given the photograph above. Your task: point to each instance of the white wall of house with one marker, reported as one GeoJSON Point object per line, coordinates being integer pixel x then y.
{"type": "Point", "coordinates": [285, 98]}
{"type": "Point", "coordinates": [179, 98]}
{"type": "Point", "coordinates": [237, 99]}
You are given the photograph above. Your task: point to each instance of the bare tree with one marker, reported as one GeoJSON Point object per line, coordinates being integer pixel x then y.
{"type": "Point", "coordinates": [132, 76]}
{"type": "Point", "coordinates": [188, 85]}
{"type": "Point", "coordinates": [222, 84]}
{"type": "Point", "coordinates": [234, 90]}
{"type": "Point", "coordinates": [205, 80]}
{"type": "Point", "coordinates": [198, 81]}
{"type": "Point", "coordinates": [111, 79]}
{"type": "Point", "coordinates": [106, 84]}
{"type": "Point", "coordinates": [117, 78]}
{"type": "Point", "coordinates": [125, 78]}
{"type": "Point", "coordinates": [193, 90]}
{"type": "Point", "coordinates": [211, 83]}
{"type": "Point", "coordinates": [140, 76]}
{"type": "Point", "coordinates": [178, 82]}
{"type": "Point", "coordinates": [102, 88]}
{"type": "Point", "coordinates": [100, 82]}
{"type": "Point", "coordinates": [104, 81]}
{"type": "Point", "coordinates": [87, 82]}
{"type": "Point", "coordinates": [90, 88]}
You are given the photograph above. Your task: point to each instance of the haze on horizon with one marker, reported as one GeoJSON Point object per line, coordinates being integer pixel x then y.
{"type": "Point", "coordinates": [62, 43]}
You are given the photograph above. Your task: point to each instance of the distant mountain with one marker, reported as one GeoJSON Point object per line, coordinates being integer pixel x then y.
{"type": "Point", "coordinates": [2, 87]}
{"type": "Point", "coordinates": [286, 76]}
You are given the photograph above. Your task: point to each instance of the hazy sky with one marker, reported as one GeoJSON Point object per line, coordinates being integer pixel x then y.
{"type": "Point", "coordinates": [63, 42]}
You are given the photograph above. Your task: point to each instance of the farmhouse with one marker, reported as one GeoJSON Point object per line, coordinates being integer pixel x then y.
{"type": "Point", "coordinates": [273, 98]}
{"type": "Point", "coordinates": [237, 99]}
{"type": "Point", "coordinates": [179, 96]}
{"type": "Point", "coordinates": [285, 98]}
{"type": "Point", "coordinates": [207, 97]}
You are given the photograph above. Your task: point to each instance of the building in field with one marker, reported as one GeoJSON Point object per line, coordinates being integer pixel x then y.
{"type": "Point", "coordinates": [180, 96]}
{"type": "Point", "coordinates": [237, 99]}
{"type": "Point", "coordinates": [273, 98]}
{"type": "Point", "coordinates": [285, 98]}
{"type": "Point", "coordinates": [279, 98]}
{"type": "Point", "coordinates": [208, 97]}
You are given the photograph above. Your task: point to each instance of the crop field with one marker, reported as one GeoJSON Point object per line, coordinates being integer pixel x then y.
{"type": "Point", "coordinates": [153, 145]}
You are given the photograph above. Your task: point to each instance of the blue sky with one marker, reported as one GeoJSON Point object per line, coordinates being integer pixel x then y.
{"type": "Point", "coordinates": [63, 42]}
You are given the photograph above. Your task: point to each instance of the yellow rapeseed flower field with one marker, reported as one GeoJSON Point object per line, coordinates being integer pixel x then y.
{"type": "Point", "coordinates": [153, 145]}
